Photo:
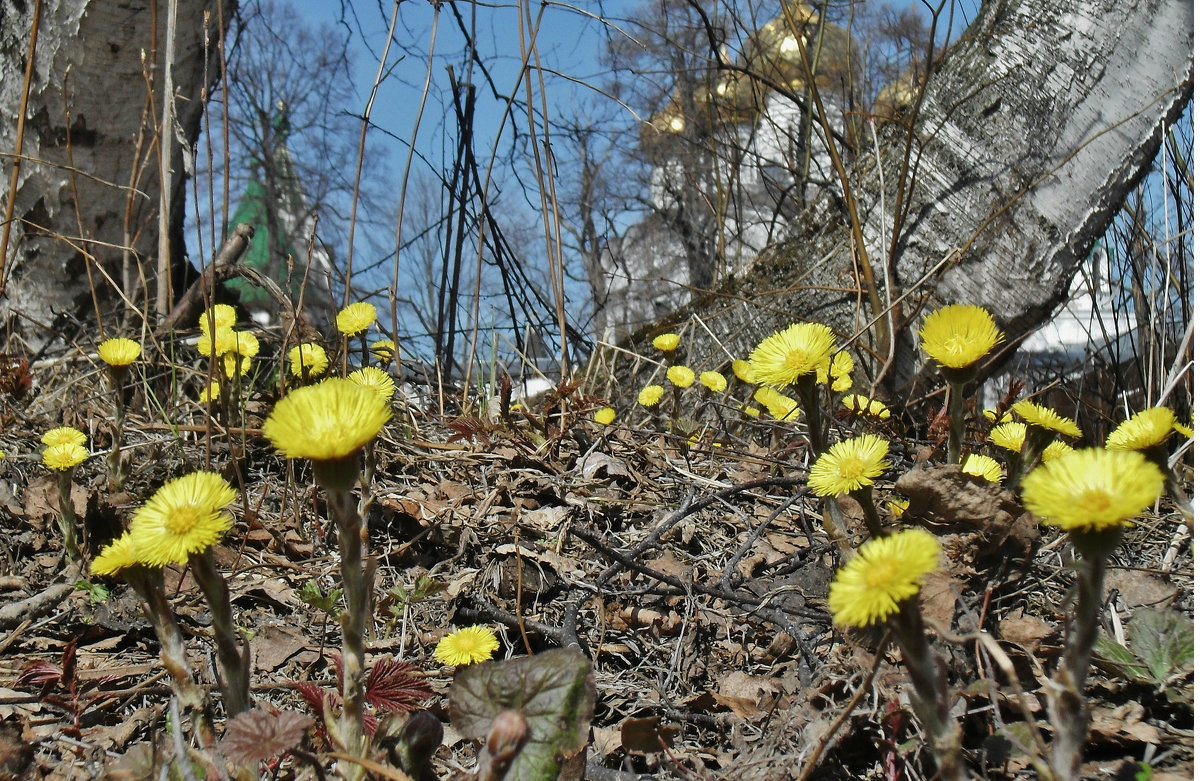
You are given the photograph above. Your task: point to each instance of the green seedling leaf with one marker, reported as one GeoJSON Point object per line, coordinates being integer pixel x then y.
{"type": "Point", "coordinates": [1119, 660]}
{"type": "Point", "coordinates": [96, 592]}
{"type": "Point", "coordinates": [1160, 645]}
{"type": "Point", "coordinates": [312, 594]}
{"type": "Point", "coordinates": [554, 692]}
{"type": "Point", "coordinates": [1162, 639]}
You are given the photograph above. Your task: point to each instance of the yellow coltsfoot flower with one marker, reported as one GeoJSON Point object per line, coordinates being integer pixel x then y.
{"type": "Point", "coordinates": [466, 646]}
{"type": "Point", "coordinates": [959, 336]}
{"type": "Point", "coordinates": [605, 416]}
{"type": "Point", "coordinates": [118, 555]}
{"type": "Point", "coordinates": [787, 355]}
{"type": "Point", "coordinates": [1043, 417]}
{"type": "Point", "coordinates": [328, 421]}
{"type": "Point", "coordinates": [183, 517]}
{"type": "Point", "coordinates": [650, 395]}
{"type": "Point", "coordinates": [1010, 436]}
{"type": "Point", "coordinates": [681, 376]}
{"type": "Point", "coordinates": [714, 381]}
{"type": "Point", "coordinates": [862, 405]}
{"type": "Point", "coordinates": [220, 315]}
{"type": "Point", "coordinates": [666, 342]}
{"type": "Point", "coordinates": [383, 349]}
{"type": "Point", "coordinates": [64, 435]}
{"type": "Point", "coordinates": [983, 466]}
{"type": "Point", "coordinates": [356, 318]}
{"type": "Point", "coordinates": [743, 371]}
{"type": "Point", "coordinates": [377, 380]}
{"type": "Point", "coordinates": [119, 352]}
{"type": "Point", "coordinates": [308, 359]}
{"type": "Point", "coordinates": [849, 465]}
{"type": "Point", "coordinates": [1145, 430]}
{"type": "Point", "coordinates": [1093, 489]}
{"type": "Point", "coordinates": [885, 572]}
{"type": "Point", "coordinates": [63, 456]}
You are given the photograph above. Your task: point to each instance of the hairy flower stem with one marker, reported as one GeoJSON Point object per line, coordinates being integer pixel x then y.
{"type": "Point", "coordinates": [117, 467]}
{"type": "Point", "coordinates": [148, 583]}
{"type": "Point", "coordinates": [356, 579]}
{"type": "Point", "coordinates": [806, 388]}
{"type": "Point", "coordinates": [66, 515]}
{"type": "Point", "coordinates": [865, 498]}
{"type": "Point", "coordinates": [232, 653]}
{"type": "Point", "coordinates": [954, 445]}
{"type": "Point", "coordinates": [930, 700]}
{"type": "Point", "coordinates": [1069, 708]}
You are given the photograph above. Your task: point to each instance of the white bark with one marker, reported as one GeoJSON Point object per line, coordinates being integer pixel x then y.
{"type": "Point", "coordinates": [1032, 132]}
{"type": "Point", "coordinates": [90, 90]}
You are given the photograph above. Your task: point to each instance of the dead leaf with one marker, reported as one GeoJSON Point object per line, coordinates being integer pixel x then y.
{"type": "Point", "coordinates": [275, 644]}
{"type": "Point", "coordinates": [41, 502]}
{"type": "Point", "coordinates": [1141, 589]}
{"type": "Point", "coordinates": [939, 595]}
{"type": "Point", "coordinates": [1123, 724]}
{"type": "Point", "coordinates": [749, 696]}
{"type": "Point", "coordinates": [1028, 632]}
{"type": "Point", "coordinates": [647, 736]}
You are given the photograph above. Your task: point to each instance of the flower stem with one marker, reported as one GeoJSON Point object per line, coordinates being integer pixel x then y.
{"type": "Point", "coordinates": [1069, 704]}
{"type": "Point", "coordinates": [232, 653]}
{"type": "Point", "coordinates": [66, 518]}
{"type": "Point", "coordinates": [356, 580]}
{"type": "Point", "coordinates": [929, 690]}
{"type": "Point", "coordinates": [148, 584]}
{"type": "Point", "coordinates": [865, 498]}
{"type": "Point", "coordinates": [806, 387]}
{"type": "Point", "coordinates": [954, 446]}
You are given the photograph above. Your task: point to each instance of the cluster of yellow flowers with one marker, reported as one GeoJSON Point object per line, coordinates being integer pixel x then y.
{"type": "Point", "coordinates": [219, 339]}
{"type": "Point", "coordinates": [1090, 491]}
{"type": "Point", "coordinates": [64, 448]}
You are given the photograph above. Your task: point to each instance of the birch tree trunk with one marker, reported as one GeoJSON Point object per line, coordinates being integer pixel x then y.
{"type": "Point", "coordinates": [1031, 132]}
{"type": "Point", "coordinates": [83, 239]}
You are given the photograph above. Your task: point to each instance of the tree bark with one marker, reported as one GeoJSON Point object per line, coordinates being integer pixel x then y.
{"type": "Point", "coordinates": [1032, 131]}
{"type": "Point", "coordinates": [86, 201]}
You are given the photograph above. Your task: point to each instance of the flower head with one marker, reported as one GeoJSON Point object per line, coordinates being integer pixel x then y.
{"type": "Point", "coordinates": [992, 415]}
{"type": "Point", "coordinates": [885, 572]}
{"type": "Point", "coordinates": [605, 416]}
{"type": "Point", "coordinates": [681, 376]}
{"type": "Point", "coordinates": [1010, 436]}
{"type": "Point", "coordinates": [1044, 417]}
{"type": "Point", "coordinates": [863, 405]}
{"type": "Point", "coordinates": [983, 466]}
{"type": "Point", "coordinates": [356, 318]}
{"type": "Point", "coordinates": [217, 343]}
{"type": "Point", "coordinates": [119, 352]}
{"type": "Point", "coordinates": [1144, 430]}
{"type": "Point", "coordinates": [839, 374]}
{"type": "Point", "coordinates": [220, 315]}
{"type": "Point", "coordinates": [714, 381]}
{"type": "Point", "coordinates": [787, 355]}
{"type": "Point", "coordinates": [1092, 489]}
{"type": "Point", "coordinates": [666, 342]}
{"type": "Point", "coordinates": [650, 395]}
{"type": "Point", "coordinates": [64, 435]}
{"type": "Point", "coordinates": [183, 517]}
{"type": "Point", "coordinates": [235, 365]}
{"type": "Point", "coordinates": [849, 465]}
{"type": "Point", "coordinates": [383, 349]}
{"type": "Point", "coordinates": [118, 555]}
{"type": "Point", "coordinates": [327, 421]}
{"type": "Point", "coordinates": [959, 335]}
{"type": "Point", "coordinates": [743, 371]}
{"type": "Point", "coordinates": [466, 646]}
{"type": "Point", "coordinates": [377, 380]}
{"type": "Point", "coordinates": [752, 412]}
{"type": "Point", "coordinates": [212, 393]}
{"type": "Point", "coordinates": [1055, 449]}
{"type": "Point", "coordinates": [64, 456]}
{"type": "Point", "coordinates": [778, 405]}
{"type": "Point", "coordinates": [308, 358]}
